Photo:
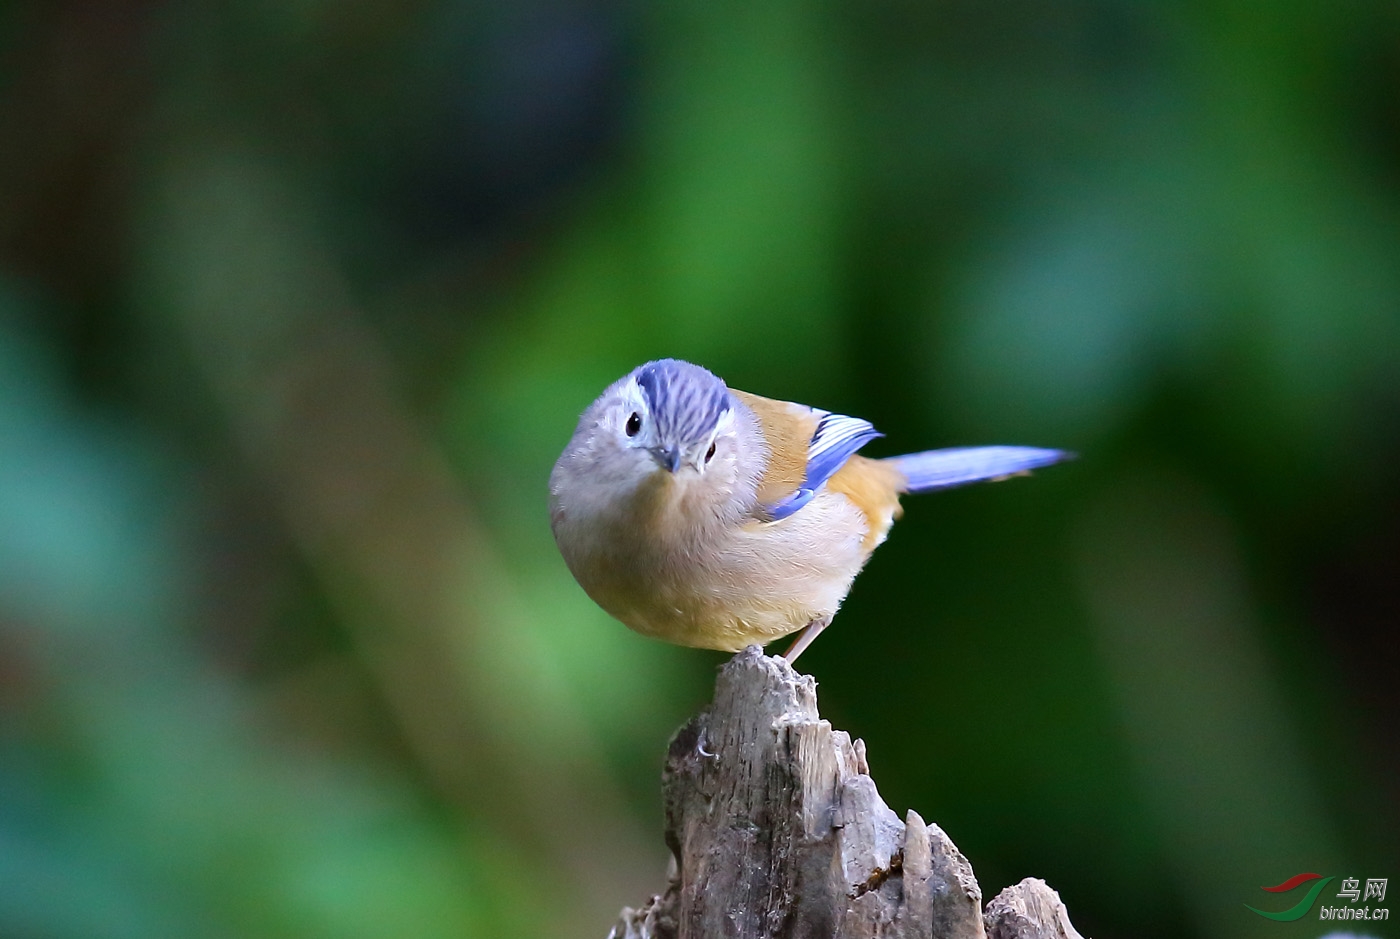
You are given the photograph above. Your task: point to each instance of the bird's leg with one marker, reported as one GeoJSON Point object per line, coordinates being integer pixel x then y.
{"type": "Point", "coordinates": [805, 638]}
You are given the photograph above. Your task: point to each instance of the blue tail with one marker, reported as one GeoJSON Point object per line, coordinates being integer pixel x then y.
{"type": "Point", "coordinates": [958, 466]}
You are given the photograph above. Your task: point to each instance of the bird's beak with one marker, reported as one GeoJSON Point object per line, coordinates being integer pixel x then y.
{"type": "Point", "coordinates": [668, 457]}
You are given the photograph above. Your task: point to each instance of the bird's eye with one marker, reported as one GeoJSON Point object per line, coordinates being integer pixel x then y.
{"type": "Point", "coordinates": [634, 424]}
{"type": "Point", "coordinates": [710, 453]}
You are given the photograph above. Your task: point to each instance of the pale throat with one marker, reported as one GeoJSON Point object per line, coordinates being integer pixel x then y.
{"type": "Point", "coordinates": [675, 510]}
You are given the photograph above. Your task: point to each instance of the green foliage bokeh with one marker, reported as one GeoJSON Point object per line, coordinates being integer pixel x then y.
{"type": "Point", "coordinates": [298, 304]}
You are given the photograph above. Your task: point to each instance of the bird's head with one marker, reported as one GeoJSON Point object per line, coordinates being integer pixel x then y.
{"type": "Point", "coordinates": [679, 415]}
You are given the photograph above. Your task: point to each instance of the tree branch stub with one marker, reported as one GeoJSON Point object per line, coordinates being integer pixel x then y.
{"type": "Point", "coordinates": [777, 831]}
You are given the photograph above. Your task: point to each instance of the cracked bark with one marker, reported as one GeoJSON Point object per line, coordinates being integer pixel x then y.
{"type": "Point", "coordinates": [776, 831]}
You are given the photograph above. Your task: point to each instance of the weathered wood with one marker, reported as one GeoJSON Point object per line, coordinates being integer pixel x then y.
{"type": "Point", "coordinates": [1029, 910]}
{"type": "Point", "coordinates": [777, 832]}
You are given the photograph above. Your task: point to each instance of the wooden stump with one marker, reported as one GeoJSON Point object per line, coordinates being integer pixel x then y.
{"type": "Point", "coordinates": [776, 831]}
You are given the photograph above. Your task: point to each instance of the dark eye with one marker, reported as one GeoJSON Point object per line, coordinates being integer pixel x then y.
{"type": "Point", "coordinates": [634, 424]}
{"type": "Point", "coordinates": [710, 453]}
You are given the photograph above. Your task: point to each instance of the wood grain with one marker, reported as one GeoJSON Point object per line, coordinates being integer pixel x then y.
{"type": "Point", "coordinates": [777, 831]}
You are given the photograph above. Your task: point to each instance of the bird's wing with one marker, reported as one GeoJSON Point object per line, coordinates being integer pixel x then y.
{"type": "Point", "coordinates": [807, 447]}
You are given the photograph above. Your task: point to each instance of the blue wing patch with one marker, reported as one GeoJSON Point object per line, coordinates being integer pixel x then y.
{"type": "Point", "coordinates": [835, 439]}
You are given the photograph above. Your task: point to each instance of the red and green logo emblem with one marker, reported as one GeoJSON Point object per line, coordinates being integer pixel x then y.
{"type": "Point", "coordinates": [1301, 908]}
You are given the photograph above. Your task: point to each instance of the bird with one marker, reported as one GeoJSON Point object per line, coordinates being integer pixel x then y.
{"type": "Point", "coordinates": [714, 518]}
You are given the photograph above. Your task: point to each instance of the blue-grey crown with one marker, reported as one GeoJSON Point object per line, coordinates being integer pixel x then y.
{"type": "Point", "coordinates": [686, 401]}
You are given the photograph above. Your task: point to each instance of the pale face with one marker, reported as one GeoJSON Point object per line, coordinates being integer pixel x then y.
{"type": "Point", "coordinates": [668, 424]}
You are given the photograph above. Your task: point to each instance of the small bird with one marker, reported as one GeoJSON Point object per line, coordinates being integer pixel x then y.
{"type": "Point", "coordinates": [714, 518]}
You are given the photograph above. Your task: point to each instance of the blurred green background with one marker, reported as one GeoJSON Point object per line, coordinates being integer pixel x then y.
{"type": "Point", "coordinates": [299, 302]}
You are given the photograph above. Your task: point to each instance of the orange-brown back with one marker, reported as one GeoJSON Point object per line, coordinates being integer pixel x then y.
{"type": "Point", "coordinates": [872, 485]}
{"type": "Point", "coordinates": [788, 430]}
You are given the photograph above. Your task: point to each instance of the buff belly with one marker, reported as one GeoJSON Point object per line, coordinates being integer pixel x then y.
{"type": "Point", "coordinates": [744, 584]}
